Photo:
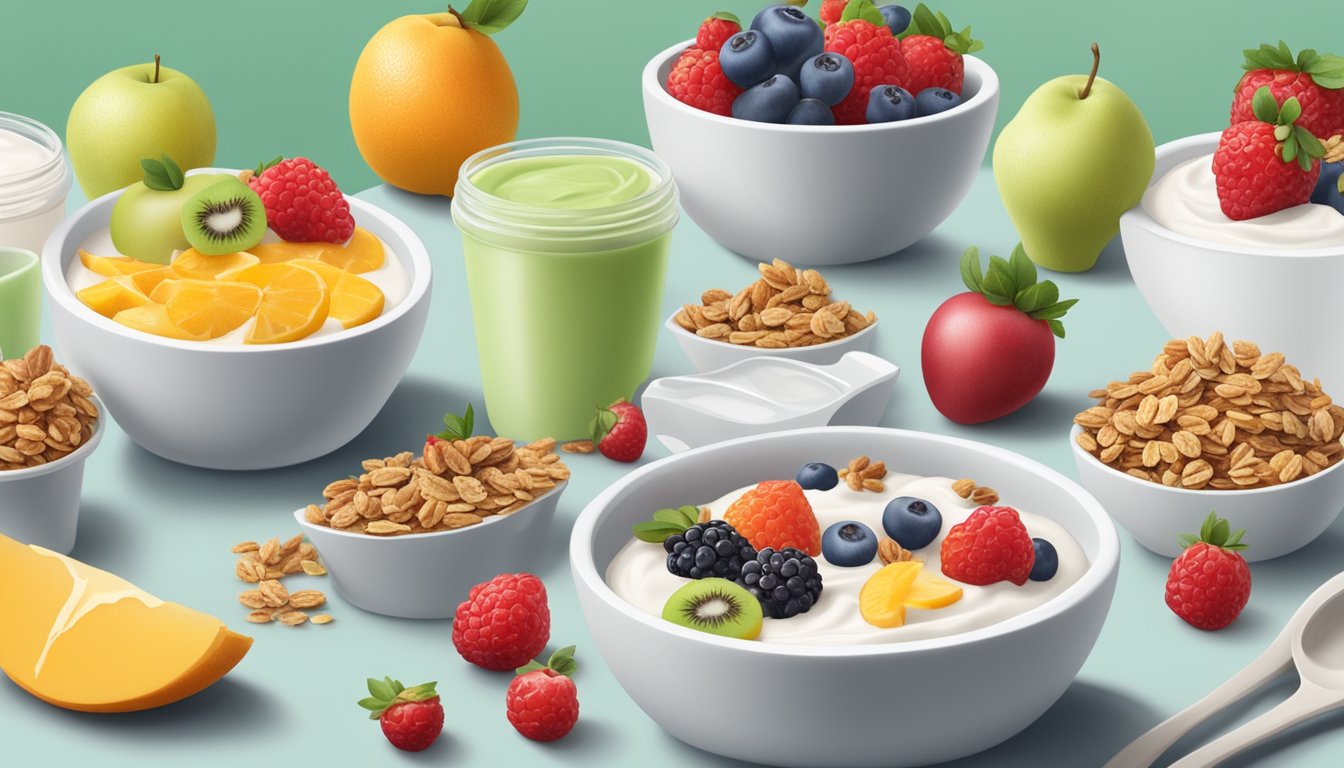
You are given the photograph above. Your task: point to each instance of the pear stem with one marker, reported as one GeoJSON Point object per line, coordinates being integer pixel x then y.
{"type": "Point", "coordinates": [1096, 64]}
{"type": "Point", "coordinates": [156, 67]}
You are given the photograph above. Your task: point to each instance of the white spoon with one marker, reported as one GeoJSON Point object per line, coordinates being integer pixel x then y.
{"type": "Point", "coordinates": [1273, 662]}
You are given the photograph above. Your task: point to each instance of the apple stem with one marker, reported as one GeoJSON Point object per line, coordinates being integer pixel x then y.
{"type": "Point", "coordinates": [156, 67]}
{"type": "Point", "coordinates": [457, 16]}
{"type": "Point", "coordinates": [1096, 64]}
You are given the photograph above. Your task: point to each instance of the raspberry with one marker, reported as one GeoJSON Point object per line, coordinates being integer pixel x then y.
{"type": "Point", "coordinates": [504, 622]}
{"type": "Point", "coordinates": [991, 545]}
{"type": "Point", "coordinates": [303, 203]}
{"type": "Point", "coordinates": [776, 514]}
{"type": "Point", "coordinates": [542, 702]}
{"type": "Point", "coordinates": [877, 58]}
{"type": "Point", "coordinates": [831, 10]}
{"type": "Point", "coordinates": [696, 79]}
{"type": "Point", "coordinates": [932, 64]}
{"type": "Point", "coordinates": [411, 718]}
{"type": "Point", "coordinates": [1210, 583]}
{"type": "Point", "coordinates": [716, 30]}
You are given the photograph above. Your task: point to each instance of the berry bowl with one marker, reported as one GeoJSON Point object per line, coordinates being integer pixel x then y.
{"type": "Point", "coordinates": [820, 195]}
{"type": "Point", "coordinates": [1000, 677]}
{"type": "Point", "coordinates": [708, 355]}
{"type": "Point", "coordinates": [239, 407]}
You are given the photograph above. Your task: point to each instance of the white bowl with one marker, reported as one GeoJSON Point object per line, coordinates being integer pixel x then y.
{"type": "Point", "coordinates": [40, 505]}
{"type": "Point", "coordinates": [708, 355]}
{"type": "Point", "coordinates": [229, 407]}
{"type": "Point", "coordinates": [900, 704]}
{"type": "Point", "coordinates": [1278, 519]}
{"type": "Point", "coordinates": [425, 575]}
{"type": "Point", "coordinates": [820, 194]}
{"type": "Point", "coordinates": [1286, 301]}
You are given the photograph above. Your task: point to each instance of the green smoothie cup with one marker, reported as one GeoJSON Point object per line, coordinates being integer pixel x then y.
{"type": "Point", "coordinates": [20, 302]}
{"type": "Point", "coordinates": [566, 244]}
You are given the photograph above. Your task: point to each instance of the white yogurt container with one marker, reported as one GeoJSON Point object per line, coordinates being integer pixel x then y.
{"type": "Point", "coordinates": [34, 182]}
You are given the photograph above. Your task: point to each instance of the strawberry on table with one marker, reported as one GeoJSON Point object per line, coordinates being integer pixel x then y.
{"type": "Point", "coordinates": [542, 701]}
{"type": "Point", "coordinates": [1267, 163]}
{"type": "Point", "coordinates": [619, 431]}
{"type": "Point", "coordinates": [302, 202]}
{"type": "Point", "coordinates": [716, 30]}
{"type": "Point", "coordinates": [1210, 583]}
{"type": "Point", "coordinates": [504, 622]}
{"type": "Point", "coordinates": [862, 36]}
{"type": "Point", "coordinates": [934, 51]}
{"type": "Point", "coordinates": [412, 718]}
{"type": "Point", "coordinates": [1316, 80]}
{"type": "Point", "coordinates": [698, 80]}
{"type": "Point", "coordinates": [776, 514]}
{"type": "Point", "coordinates": [991, 545]}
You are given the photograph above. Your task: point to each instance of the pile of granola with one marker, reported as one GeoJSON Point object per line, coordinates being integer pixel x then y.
{"type": "Point", "coordinates": [45, 413]}
{"type": "Point", "coordinates": [265, 565]}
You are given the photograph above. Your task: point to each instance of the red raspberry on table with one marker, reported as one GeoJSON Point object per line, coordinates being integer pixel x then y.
{"type": "Point", "coordinates": [412, 718]}
{"type": "Point", "coordinates": [877, 59]}
{"type": "Point", "coordinates": [716, 30]}
{"type": "Point", "coordinates": [504, 622]}
{"type": "Point", "coordinates": [831, 10]}
{"type": "Point", "coordinates": [776, 514]}
{"type": "Point", "coordinates": [934, 52]}
{"type": "Point", "coordinates": [696, 79]}
{"type": "Point", "coordinates": [1210, 583]}
{"type": "Point", "coordinates": [542, 702]}
{"type": "Point", "coordinates": [1255, 171]}
{"type": "Point", "coordinates": [1288, 76]}
{"type": "Point", "coordinates": [991, 545]}
{"type": "Point", "coordinates": [619, 431]}
{"type": "Point", "coordinates": [302, 202]}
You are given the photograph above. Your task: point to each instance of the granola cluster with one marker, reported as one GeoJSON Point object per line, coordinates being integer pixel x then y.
{"type": "Point", "coordinates": [45, 413]}
{"type": "Point", "coordinates": [265, 565]}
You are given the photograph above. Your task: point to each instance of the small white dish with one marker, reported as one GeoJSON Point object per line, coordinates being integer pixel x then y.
{"type": "Point", "coordinates": [708, 355]}
{"type": "Point", "coordinates": [425, 575]}
{"type": "Point", "coordinates": [767, 394]}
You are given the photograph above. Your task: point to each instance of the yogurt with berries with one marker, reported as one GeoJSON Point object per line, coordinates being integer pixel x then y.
{"type": "Point", "coordinates": [639, 572]}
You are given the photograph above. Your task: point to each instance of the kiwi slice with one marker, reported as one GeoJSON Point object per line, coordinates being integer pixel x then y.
{"type": "Point", "coordinates": [716, 606]}
{"type": "Point", "coordinates": [225, 217]}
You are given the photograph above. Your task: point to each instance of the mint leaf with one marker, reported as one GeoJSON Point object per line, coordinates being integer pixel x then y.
{"type": "Point", "coordinates": [655, 531]}
{"type": "Point", "coordinates": [1326, 71]}
{"type": "Point", "coordinates": [1053, 311]}
{"type": "Point", "coordinates": [863, 9]}
{"type": "Point", "coordinates": [1056, 328]}
{"type": "Point", "coordinates": [728, 16]}
{"type": "Point", "coordinates": [1263, 106]}
{"type": "Point", "coordinates": [381, 690]}
{"type": "Point", "coordinates": [531, 666]}
{"type": "Point", "coordinates": [562, 661]}
{"type": "Point", "coordinates": [1036, 296]}
{"type": "Point", "coordinates": [491, 16]}
{"type": "Point", "coordinates": [999, 279]}
{"type": "Point", "coordinates": [163, 174]}
{"type": "Point", "coordinates": [1290, 111]}
{"type": "Point", "coordinates": [458, 427]}
{"type": "Point", "coordinates": [970, 268]}
{"type": "Point", "coordinates": [1024, 272]}
{"type": "Point", "coordinates": [370, 703]}
{"type": "Point", "coordinates": [924, 22]}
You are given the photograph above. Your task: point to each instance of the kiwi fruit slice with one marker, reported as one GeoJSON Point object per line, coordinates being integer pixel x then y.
{"type": "Point", "coordinates": [717, 606]}
{"type": "Point", "coordinates": [225, 217]}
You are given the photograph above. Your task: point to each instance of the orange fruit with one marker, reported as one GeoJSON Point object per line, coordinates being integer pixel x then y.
{"type": "Point", "coordinates": [428, 93]}
{"type": "Point", "coordinates": [207, 308]}
{"type": "Point", "coordinates": [930, 593]}
{"type": "Point", "coordinates": [112, 266]}
{"type": "Point", "coordinates": [148, 280]}
{"type": "Point", "coordinates": [294, 302]}
{"type": "Point", "coordinates": [364, 252]}
{"type": "Point", "coordinates": [194, 265]}
{"type": "Point", "coordinates": [354, 300]}
{"type": "Point", "coordinates": [153, 319]}
{"type": "Point", "coordinates": [112, 296]}
{"type": "Point", "coordinates": [882, 598]}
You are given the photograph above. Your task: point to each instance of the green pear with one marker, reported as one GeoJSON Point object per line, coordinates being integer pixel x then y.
{"type": "Point", "coordinates": [147, 218]}
{"type": "Point", "coordinates": [1076, 156]}
{"type": "Point", "coordinates": [138, 111]}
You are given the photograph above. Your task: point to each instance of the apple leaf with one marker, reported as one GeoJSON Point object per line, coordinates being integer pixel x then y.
{"type": "Point", "coordinates": [163, 174]}
{"type": "Point", "coordinates": [492, 16]}
{"type": "Point", "coordinates": [970, 269]}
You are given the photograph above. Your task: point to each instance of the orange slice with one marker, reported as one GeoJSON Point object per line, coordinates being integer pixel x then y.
{"type": "Point", "coordinates": [194, 265]}
{"type": "Point", "coordinates": [112, 266]}
{"type": "Point", "coordinates": [930, 593]}
{"type": "Point", "coordinates": [882, 598]}
{"type": "Point", "coordinates": [207, 308]}
{"type": "Point", "coordinates": [364, 252]}
{"type": "Point", "coordinates": [153, 319]}
{"type": "Point", "coordinates": [113, 295]}
{"type": "Point", "coordinates": [294, 302]}
{"type": "Point", "coordinates": [354, 300]}
{"type": "Point", "coordinates": [148, 280]}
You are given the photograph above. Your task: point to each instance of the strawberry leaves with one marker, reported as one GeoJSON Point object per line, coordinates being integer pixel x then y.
{"type": "Point", "coordinates": [561, 662]}
{"type": "Point", "coordinates": [163, 174]}
{"type": "Point", "coordinates": [458, 427]}
{"type": "Point", "coordinates": [1326, 70]}
{"type": "Point", "coordinates": [1295, 142]}
{"type": "Point", "coordinates": [1216, 532]}
{"type": "Point", "coordinates": [1012, 282]}
{"type": "Point", "coordinates": [666, 522]}
{"type": "Point", "coordinates": [387, 692]}
{"type": "Point", "coordinates": [865, 10]}
{"type": "Point", "coordinates": [925, 22]}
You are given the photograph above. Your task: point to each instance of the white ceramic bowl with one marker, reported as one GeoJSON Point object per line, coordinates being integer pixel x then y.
{"type": "Point", "coordinates": [425, 575]}
{"type": "Point", "coordinates": [229, 407]}
{"type": "Point", "coordinates": [820, 194]}
{"type": "Point", "coordinates": [708, 355]}
{"type": "Point", "coordinates": [1278, 519]}
{"type": "Point", "coordinates": [902, 704]}
{"type": "Point", "coordinates": [1285, 301]}
{"type": "Point", "coordinates": [40, 505]}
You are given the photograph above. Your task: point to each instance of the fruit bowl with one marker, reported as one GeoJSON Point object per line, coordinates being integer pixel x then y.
{"type": "Point", "coordinates": [707, 355]}
{"type": "Point", "coordinates": [896, 704]}
{"type": "Point", "coordinates": [1278, 519]}
{"type": "Point", "coordinates": [239, 407]}
{"type": "Point", "coordinates": [820, 195]}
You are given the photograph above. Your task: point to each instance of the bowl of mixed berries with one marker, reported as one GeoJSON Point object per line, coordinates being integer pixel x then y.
{"type": "Point", "coordinates": [827, 140]}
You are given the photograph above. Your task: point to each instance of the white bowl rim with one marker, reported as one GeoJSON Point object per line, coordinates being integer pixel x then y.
{"type": "Point", "coordinates": [1078, 452]}
{"type": "Point", "coordinates": [1098, 571]}
{"type": "Point", "coordinates": [299, 516]}
{"type": "Point", "coordinates": [1141, 218]}
{"type": "Point", "coordinates": [787, 352]}
{"type": "Point", "coordinates": [989, 88]}
{"type": "Point", "coordinates": [79, 454]}
{"type": "Point", "coordinates": [59, 290]}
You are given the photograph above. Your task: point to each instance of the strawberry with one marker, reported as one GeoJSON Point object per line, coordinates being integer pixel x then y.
{"type": "Point", "coordinates": [1209, 582]}
{"type": "Point", "coordinates": [504, 622]}
{"type": "Point", "coordinates": [989, 546]}
{"type": "Point", "coordinates": [716, 30]}
{"type": "Point", "coordinates": [302, 202]}
{"type": "Point", "coordinates": [619, 431]}
{"type": "Point", "coordinates": [1315, 80]}
{"type": "Point", "coordinates": [776, 514]}
{"type": "Point", "coordinates": [934, 51]}
{"type": "Point", "coordinates": [542, 701]}
{"type": "Point", "coordinates": [698, 80]}
{"type": "Point", "coordinates": [1266, 164]}
{"type": "Point", "coordinates": [863, 37]}
{"type": "Point", "coordinates": [412, 718]}
{"type": "Point", "coordinates": [831, 10]}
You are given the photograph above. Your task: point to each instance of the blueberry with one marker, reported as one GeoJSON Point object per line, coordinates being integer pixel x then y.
{"type": "Point", "coordinates": [931, 101]}
{"type": "Point", "coordinates": [849, 543]}
{"type": "Point", "coordinates": [1327, 190]}
{"type": "Point", "coordinates": [896, 16]}
{"type": "Point", "coordinates": [768, 102]}
{"type": "Point", "coordinates": [818, 477]}
{"type": "Point", "coordinates": [887, 103]}
{"type": "Point", "coordinates": [793, 34]}
{"type": "Point", "coordinates": [1047, 561]}
{"type": "Point", "coordinates": [811, 112]}
{"type": "Point", "coordinates": [826, 77]}
{"type": "Point", "coordinates": [913, 523]}
{"type": "Point", "coordinates": [747, 58]}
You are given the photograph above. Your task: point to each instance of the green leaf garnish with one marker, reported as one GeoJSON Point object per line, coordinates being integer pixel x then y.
{"type": "Point", "coordinates": [666, 522]}
{"type": "Point", "coordinates": [387, 692]}
{"type": "Point", "coordinates": [458, 427]}
{"type": "Point", "coordinates": [261, 167]}
{"type": "Point", "coordinates": [163, 174]}
{"type": "Point", "coordinates": [970, 270]}
{"type": "Point", "coordinates": [1217, 532]}
{"type": "Point", "coordinates": [729, 16]}
{"type": "Point", "coordinates": [925, 22]}
{"type": "Point", "coordinates": [491, 16]}
{"type": "Point", "coordinates": [1295, 142]}
{"type": "Point", "coordinates": [1013, 282]}
{"type": "Point", "coordinates": [865, 10]}
{"type": "Point", "coordinates": [1326, 70]}
{"type": "Point", "coordinates": [561, 662]}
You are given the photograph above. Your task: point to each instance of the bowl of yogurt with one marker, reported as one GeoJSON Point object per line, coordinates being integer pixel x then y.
{"type": "Point", "coordinates": [225, 404]}
{"type": "Point", "coordinates": [863, 695]}
{"type": "Point", "coordinates": [1272, 278]}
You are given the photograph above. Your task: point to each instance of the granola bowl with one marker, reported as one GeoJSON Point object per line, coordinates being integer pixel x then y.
{"type": "Point", "coordinates": [707, 355]}
{"type": "Point", "coordinates": [1018, 666]}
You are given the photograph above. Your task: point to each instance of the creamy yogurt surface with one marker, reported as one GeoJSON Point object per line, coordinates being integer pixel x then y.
{"type": "Point", "coordinates": [1185, 200]}
{"type": "Point", "coordinates": [639, 572]}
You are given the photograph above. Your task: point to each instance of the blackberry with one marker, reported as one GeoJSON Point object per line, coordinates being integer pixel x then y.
{"type": "Point", "coordinates": [704, 550]}
{"type": "Point", "coordinates": [786, 582]}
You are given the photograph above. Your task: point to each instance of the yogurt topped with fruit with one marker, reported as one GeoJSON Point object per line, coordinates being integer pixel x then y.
{"type": "Point", "coordinates": [876, 557]}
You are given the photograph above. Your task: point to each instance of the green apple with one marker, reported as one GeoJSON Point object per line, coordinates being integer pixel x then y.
{"type": "Point", "coordinates": [143, 110]}
{"type": "Point", "coordinates": [147, 218]}
{"type": "Point", "coordinates": [1076, 156]}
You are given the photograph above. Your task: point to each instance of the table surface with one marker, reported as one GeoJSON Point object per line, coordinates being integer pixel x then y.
{"type": "Point", "coordinates": [168, 528]}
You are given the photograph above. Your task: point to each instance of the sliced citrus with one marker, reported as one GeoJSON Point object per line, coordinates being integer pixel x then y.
{"type": "Point", "coordinates": [882, 598]}
{"type": "Point", "coordinates": [112, 266]}
{"type": "Point", "coordinates": [363, 253]}
{"type": "Point", "coordinates": [194, 265]}
{"type": "Point", "coordinates": [354, 300]}
{"type": "Point", "coordinates": [113, 295]}
{"type": "Point", "coordinates": [208, 308]}
{"type": "Point", "coordinates": [930, 593]}
{"type": "Point", "coordinates": [148, 280]}
{"type": "Point", "coordinates": [294, 302]}
{"type": "Point", "coordinates": [153, 318]}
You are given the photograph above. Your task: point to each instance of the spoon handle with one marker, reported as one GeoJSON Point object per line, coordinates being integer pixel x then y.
{"type": "Point", "coordinates": [1309, 701]}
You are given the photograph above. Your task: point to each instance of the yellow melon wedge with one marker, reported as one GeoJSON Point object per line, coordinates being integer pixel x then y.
{"type": "Point", "coordinates": [84, 639]}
